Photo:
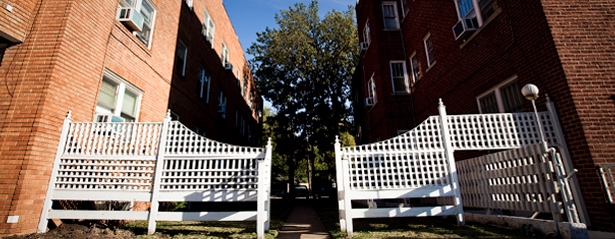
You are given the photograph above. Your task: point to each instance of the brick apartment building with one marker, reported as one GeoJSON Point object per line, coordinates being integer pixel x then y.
{"type": "Point", "coordinates": [476, 55]}
{"type": "Point", "coordinates": [122, 60]}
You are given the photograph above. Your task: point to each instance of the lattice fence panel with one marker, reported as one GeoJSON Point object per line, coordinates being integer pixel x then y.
{"type": "Point", "coordinates": [517, 179]}
{"type": "Point", "coordinates": [129, 139]}
{"type": "Point", "coordinates": [183, 141]}
{"type": "Point", "coordinates": [499, 131]}
{"type": "Point", "coordinates": [398, 170]}
{"type": "Point", "coordinates": [105, 174]}
{"type": "Point", "coordinates": [209, 174]}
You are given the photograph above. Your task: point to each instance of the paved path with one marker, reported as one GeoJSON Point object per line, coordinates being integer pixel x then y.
{"type": "Point", "coordinates": [303, 223]}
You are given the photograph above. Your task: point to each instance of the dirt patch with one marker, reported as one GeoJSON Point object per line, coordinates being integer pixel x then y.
{"type": "Point", "coordinates": [77, 231]}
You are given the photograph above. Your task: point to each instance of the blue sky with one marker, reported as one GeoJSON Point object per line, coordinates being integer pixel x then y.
{"type": "Point", "coordinates": [252, 16]}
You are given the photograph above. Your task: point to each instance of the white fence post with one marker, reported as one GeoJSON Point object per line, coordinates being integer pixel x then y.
{"type": "Point", "coordinates": [448, 150]}
{"type": "Point", "coordinates": [340, 184]}
{"type": "Point", "coordinates": [151, 220]}
{"type": "Point", "coordinates": [42, 225]}
{"type": "Point", "coordinates": [263, 198]}
{"type": "Point", "coordinates": [566, 160]}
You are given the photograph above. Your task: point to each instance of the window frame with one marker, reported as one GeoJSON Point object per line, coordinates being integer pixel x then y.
{"type": "Point", "coordinates": [414, 67]}
{"type": "Point", "coordinates": [371, 89]}
{"type": "Point", "coordinates": [385, 17]}
{"type": "Point", "coordinates": [480, 18]}
{"type": "Point", "coordinates": [202, 78]}
{"type": "Point", "coordinates": [394, 77]}
{"type": "Point", "coordinates": [120, 91]}
{"type": "Point", "coordinates": [225, 55]}
{"type": "Point", "coordinates": [366, 33]}
{"type": "Point", "coordinates": [497, 92]}
{"type": "Point", "coordinates": [184, 58]}
{"type": "Point", "coordinates": [210, 27]}
{"type": "Point", "coordinates": [430, 55]}
{"type": "Point", "coordinates": [138, 5]}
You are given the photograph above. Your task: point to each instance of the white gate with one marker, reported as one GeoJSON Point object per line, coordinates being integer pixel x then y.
{"type": "Point", "coordinates": [155, 162]}
{"type": "Point", "coordinates": [420, 163]}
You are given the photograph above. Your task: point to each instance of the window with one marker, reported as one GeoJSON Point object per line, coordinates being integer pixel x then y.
{"type": "Point", "coordinates": [414, 65]}
{"type": "Point", "coordinates": [398, 77]}
{"type": "Point", "coordinates": [366, 37]}
{"type": "Point", "coordinates": [147, 10]}
{"type": "Point", "coordinates": [389, 13]}
{"type": "Point", "coordinates": [431, 59]}
{"type": "Point", "coordinates": [118, 101]}
{"type": "Point", "coordinates": [505, 97]}
{"type": "Point", "coordinates": [181, 54]}
{"type": "Point", "coordinates": [225, 55]}
{"type": "Point", "coordinates": [466, 10]}
{"type": "Point", "coordinates": [209, 28]}
{"type": "Point", "coordinates": [250, 99]}
{"type": "Point", "coordinates": [203, 84]}
{"type": "Point", "coordinates": [189, 3]}
{"type": "Point", "coordinates": [371, 92]}
{"type": "Point", "coordinates": [222, 104]}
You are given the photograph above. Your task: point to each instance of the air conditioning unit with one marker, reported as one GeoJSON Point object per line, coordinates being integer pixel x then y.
{"type": "Point", "coordinates": [228, 66]}
{"type": "Point", "coordinates": [464, 26]}
{"type": "Point", "coordinates": [130, 17]}
{"type": "Point", "coordinates": [363, 46]}
{"type": "Point", "coordinates": [369, 101]}
{"type": "Point", "coordinates": [109, 118]}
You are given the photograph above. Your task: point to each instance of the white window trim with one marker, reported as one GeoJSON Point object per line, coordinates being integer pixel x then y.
{"type": "Point", "coordinates": [184, 58]}
{"type": "Point", "coordinates": [123, 85]}
{"type": "Point", "coordinates": [225, 55]}
{"type": "Point", "coordinates": [366, 33]}
{"type": "Point", "coordinates": [204, 89]}
{"type": "Point", "coordinates": [210, 26]}
{"type": "Point", "coordinates": [394, 4]}
{"type": "Point", "coordinates": [429, 62]}
{"type": "Point", "coordinates": [371, 89]}
{"type": "Point", "coordinates": [498, 96]}
{"type": "Point", "coordinates": [406, 83]}
{"type": "Point", "coordinates": [415, 77]}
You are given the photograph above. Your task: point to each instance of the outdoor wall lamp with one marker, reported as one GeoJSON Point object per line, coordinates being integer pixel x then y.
{"type": "Point", "coordinates": [530, 92]}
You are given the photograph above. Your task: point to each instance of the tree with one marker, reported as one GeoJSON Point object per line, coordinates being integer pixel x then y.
{"type": "Point", "coordinates": [304, 67]}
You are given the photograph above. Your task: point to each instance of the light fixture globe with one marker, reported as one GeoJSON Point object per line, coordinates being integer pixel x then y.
{"type": "Point", "coordinates": [530, 91]}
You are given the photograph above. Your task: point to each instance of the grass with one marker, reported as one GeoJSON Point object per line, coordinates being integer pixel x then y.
{"type": "Point", "coordinates": [423, 227]}
{"type": "Point", "coordinates": [389, 228]}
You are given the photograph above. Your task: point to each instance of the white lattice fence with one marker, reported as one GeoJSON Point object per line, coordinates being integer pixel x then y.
{"type": "Point", "coordinates": [125, 162]}
{"type": "Point", "coordinates": [415, 164]}
{"type": "Point", "coordinates": [520, 179]}
{"type": "Point", "coordinates": [420, 163]}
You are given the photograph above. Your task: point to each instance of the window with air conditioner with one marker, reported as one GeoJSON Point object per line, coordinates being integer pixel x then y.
{"type": "Point", "coordinates": [138, 16]}
{"type": "Point", "coordinates": [366, 37]}
{"type": "Point", "coordinates": [181, 55]}
{"type": "Point", "coordinates": [505, 97]}
{"type": "Point", "coordinates": [371, 99]}
{"type": "Point", "coordinates": [389, 13]}
{"type": "Point", "coordinates": [472, 14]}
{"type": "Point", "coordinates": [429, 54]}
{"type": "Point", "coordinates": [203, 84]}
{"type": "Point", "coordinates": [209, 28]}
{"type": "Point", "coordinates": [414, 66]}
{"type": "Point", "coordinates": [399, 78]}
{"type": "Point", "coordinates": [118, 101]}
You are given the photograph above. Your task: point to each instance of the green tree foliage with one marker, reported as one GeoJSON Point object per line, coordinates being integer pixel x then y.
{"type": "Point", "coordinates": [304, 68]}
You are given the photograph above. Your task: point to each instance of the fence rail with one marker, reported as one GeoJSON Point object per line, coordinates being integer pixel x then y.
{"type": "Point", "coordinates": [155, 162]}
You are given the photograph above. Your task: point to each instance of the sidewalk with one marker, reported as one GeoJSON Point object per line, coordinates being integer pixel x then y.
{"type": "Point", "coordinates": [303, 223]}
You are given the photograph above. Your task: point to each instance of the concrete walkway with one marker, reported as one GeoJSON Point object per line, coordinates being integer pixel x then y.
{"type": "Point", "coordinates": [303, 223]}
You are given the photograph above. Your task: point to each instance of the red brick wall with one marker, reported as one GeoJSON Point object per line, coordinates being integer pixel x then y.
{"type": "Point", "coordinates": [59, 68]}
{"type": "Point", "coordinates": [16, 23]}
{"type": "Point", "coordinates": [583, 35]}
